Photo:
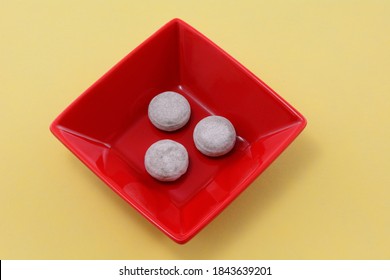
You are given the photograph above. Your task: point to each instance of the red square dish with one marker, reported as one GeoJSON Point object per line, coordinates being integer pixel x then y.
{"type": "Point", "coordinates": [108, 128]}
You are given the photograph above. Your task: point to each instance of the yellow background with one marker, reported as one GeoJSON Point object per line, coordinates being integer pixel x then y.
{"type": "Point", "coordinates": [326, 197]}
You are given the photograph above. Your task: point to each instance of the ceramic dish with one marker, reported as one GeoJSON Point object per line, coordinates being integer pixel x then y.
{"type": "Point", "coordinates": [108, 128]}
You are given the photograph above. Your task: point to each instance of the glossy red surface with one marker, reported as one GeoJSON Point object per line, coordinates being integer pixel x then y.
{"type": "Point", "coordinates": [108, 129]}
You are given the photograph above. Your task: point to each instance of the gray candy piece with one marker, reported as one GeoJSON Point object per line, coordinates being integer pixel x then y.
{"type": "Point", "coordinates": [169, 111]}
{"type": "Point", "coordinates": [166, 160]}
{"type": "Point", "coordinates": [214, 136]}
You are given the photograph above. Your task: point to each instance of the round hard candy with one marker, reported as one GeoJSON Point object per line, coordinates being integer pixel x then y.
{"type": "Point", "coordinates": [169, 111]}
{"type": "Point", "coordinates": [166, 160]}
{"type": "Point", "coordinates": [214, 136]}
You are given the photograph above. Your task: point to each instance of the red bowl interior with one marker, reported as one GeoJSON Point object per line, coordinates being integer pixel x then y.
{"type": "Point", "coordinates": [108, 129]}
